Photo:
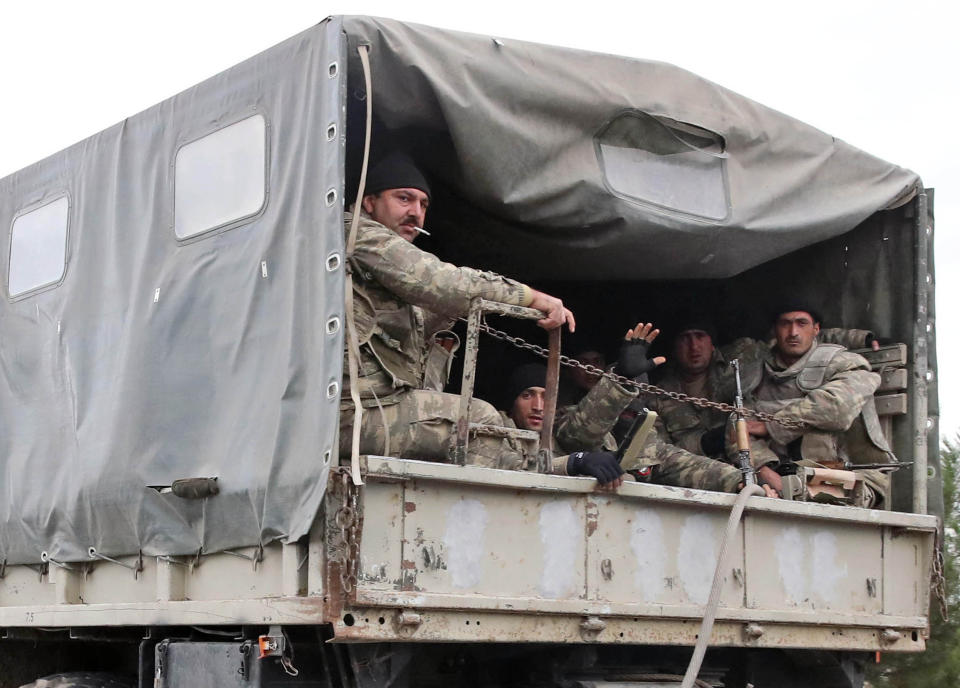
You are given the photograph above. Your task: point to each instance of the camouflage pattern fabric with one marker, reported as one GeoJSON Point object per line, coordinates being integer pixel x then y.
{"type": "Point", "coordinates": [834, 413]}
{"type": "Point", "coordinates": [684, 424]}
{"type": "Point", "coordinates": [680, 468]}
{"type": "Point", "coordinates": [422, 425]}
{"type": "Point", "coordinates": [848, 385]}
{"type": "Point", "coordinates": [586, 427]}
{"type": "Point", "coordinates": [403, 294]}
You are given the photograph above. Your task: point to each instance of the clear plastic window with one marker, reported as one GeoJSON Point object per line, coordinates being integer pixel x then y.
{"type": "Point", "coordinates": [670, 164]}
{"type": "Point", "coordinates": [221, 178]}
{"type": "Point", "coordinates": [38, 247]}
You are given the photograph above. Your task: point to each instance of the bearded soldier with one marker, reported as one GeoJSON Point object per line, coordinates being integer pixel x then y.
{"type": "Point", "coordinates": [828, 389]}
{"type": "Point", "coordinates": [401, 297]}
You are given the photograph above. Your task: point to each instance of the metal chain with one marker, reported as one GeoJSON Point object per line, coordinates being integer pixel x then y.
{"type": "Point", "coordinates": [644, 387]}
{"type": "Point", "coordinates": [346, 518]}
{"type": "Point", "coordinates": [938, 582]}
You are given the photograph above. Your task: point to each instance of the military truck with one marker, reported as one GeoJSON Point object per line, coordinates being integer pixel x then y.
{"type": "Point", "coordinates": [175, 511]}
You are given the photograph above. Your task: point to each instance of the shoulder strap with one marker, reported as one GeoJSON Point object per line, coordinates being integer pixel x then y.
{"type": "Point", "coordinates": [815, 369]}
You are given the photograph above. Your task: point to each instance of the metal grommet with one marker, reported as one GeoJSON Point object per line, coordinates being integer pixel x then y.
{"type": "Point", "coordinates": [326, 457]}
{"type": "Point", "coordinates": [331, 132]}
{"type": "Point", "coordinates": [333, 389]}
{"type": "Point", "coordinates": [333, 325]}
{"type": "Point", "coordinates": [331, 197]}
{"type": "Point", "coordinates": [333, 262]}
{"type": "Point", "coordinates": [333, 70]}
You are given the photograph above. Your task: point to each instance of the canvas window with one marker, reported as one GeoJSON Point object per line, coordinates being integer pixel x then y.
{"type": "Point", "coordinates": [670, 164]}
{"type": "Point", "coordinates": [38, 247]}
{"type": "Point", "coordinates": [221, 178]}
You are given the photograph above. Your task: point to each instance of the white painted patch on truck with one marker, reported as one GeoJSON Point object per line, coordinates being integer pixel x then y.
{"type": "Point", "coordinates": [792, 565]}
{"type": "Point", "coordinates": [827, 568]}
{"type": "Point", "coordinates": [560, 533]}
{"type": "Point", "coordinates": [647, 543]}
{"type": "Point", "coordinates": [697, 557]}
{"type": "Point", "coordinates": [464, 542]}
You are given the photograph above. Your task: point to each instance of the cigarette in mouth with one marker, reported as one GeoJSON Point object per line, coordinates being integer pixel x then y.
{"type": "Point", "coordinates": [422, 231]}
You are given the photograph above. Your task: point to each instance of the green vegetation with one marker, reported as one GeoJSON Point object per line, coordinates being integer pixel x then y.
{"type": "Point", "coordinates": [939, 666]}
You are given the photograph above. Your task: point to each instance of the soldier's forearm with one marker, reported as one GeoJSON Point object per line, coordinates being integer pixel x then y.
{"type": "Point", "coordinates": [851, 339]}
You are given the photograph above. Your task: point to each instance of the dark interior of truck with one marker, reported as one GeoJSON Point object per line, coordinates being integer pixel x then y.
{"type": "Point", "coordinates": [855, 278]}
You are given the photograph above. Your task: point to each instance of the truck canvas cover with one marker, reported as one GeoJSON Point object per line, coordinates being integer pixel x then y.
{"type": "Point", "coordinates": [166, 352]}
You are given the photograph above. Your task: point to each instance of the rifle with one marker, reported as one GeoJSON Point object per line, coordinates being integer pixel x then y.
{"type": "Point", "coordinates": [743, 437]}
{"type": "Point", "coordinates": [874, 466]}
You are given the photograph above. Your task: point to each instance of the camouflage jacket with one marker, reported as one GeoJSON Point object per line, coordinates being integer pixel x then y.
{"type": "Point", "coordinates": [831, 390]}
{"type": "Point", "coordinates": [586, 427]}
{"type": "Point", "coordinates": [828, 405]}
{"type": "Point", "coordinates": [684, 424]}
{"type": "Point", "coordinates": [401, 296]}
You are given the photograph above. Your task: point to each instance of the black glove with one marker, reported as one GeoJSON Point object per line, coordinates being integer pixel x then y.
{"type": "Point", "coordinates": [714, 442]}
{"type": "Point", "coordinates": [601, 465]}
{"type": "Point", "coordinates": [633, 359]}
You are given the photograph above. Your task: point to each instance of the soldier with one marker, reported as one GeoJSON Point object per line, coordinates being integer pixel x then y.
{"type": "Point", "coordinates": [401, 297]}
{"type": "Point", "coordinates": [699, 369]}
{"type": "Point", "coordinates": [829, 389]}
{"type": "Point", "coordinates": [585, 428]}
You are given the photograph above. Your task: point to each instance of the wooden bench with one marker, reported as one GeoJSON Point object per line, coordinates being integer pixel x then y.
{"type": "Point", "coordinates": [891, 397]}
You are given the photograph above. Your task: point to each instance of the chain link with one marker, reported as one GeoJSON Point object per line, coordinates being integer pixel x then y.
{"type": "Point", "coordinates": [644, 387]}
{"type": "Point", "coordinates": [346, 519]}
{"type": "Point", "coordinates": [938, 582]}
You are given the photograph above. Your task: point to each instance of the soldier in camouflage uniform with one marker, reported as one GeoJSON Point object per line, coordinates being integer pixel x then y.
{"type": "Point", "coordinates": [829, 389]}
{"type": "Point", "coordinates": [586, 426]}
{"type": "Point", "coordinates": [402, 296]}
{"type": "Point", "coordinates": [700, 369]}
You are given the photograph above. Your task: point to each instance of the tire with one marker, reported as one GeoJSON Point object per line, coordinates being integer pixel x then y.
{"type": "Point", "coordinates": [81, 679]}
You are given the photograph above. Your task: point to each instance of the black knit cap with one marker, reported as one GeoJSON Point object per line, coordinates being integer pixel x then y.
{"type": "Point", "coordinates": [395, 171]}
{"type": "Point", "coordinates": [695, 321]}
{"type": "Point", "coordinates": [523, 377]}
{"type": "Point", "coordinates": [791, 306]}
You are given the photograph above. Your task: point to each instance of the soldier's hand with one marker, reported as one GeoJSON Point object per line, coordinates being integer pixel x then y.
{"type": "Point", "coordinates": [767, 490]}
{"type": "Point", "coordinates": [770, 492]}
{"type": "Point", "coordinates": [645, 331]}
{"type": "Point", "coordinates": [601, 465]}
{"type": "Point", "coordinates": [557, 315]}
{"type": "Point", "coordinates": [768, 477]}
{"type": "Point", "coordinates": [633, 359]}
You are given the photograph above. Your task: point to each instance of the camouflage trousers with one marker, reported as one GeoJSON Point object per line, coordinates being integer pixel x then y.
{"type": "Point", "coordinates": [421, 424]}
{"type": "Point", "coordinates": [679, 468]}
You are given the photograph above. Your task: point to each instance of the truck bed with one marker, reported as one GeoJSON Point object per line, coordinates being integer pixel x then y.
{"type": "Point", "coordinates": [462, 553]}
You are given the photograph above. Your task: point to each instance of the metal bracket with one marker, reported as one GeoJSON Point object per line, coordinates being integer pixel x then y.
{"type": "Point", "coordinates": [136, 568]}
{"type": "Point", "coordinates": [161, 660]}
{"type": "Point", "coordinates": [171, 560]}
{"type": "Point", "coordinates": [45, 558]}
{"type": "Point", "coordinates": [256, 557]}
{"type": "Point", "coordinates": [591, 627]}
{"type": "Point", "coordinates": [478, 307]}
{"type": "Point", "coordinates": [246, 652]}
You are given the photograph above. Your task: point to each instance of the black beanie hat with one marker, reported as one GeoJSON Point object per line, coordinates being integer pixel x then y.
{"type": "Point", "coordinates": [696, 321]}
{"type": "Point", "coordinates": [395, 171]}
{"type": "Point", "coordinates": [793, 306]}
{"type": "Point", "coordinates": [523, 377]}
